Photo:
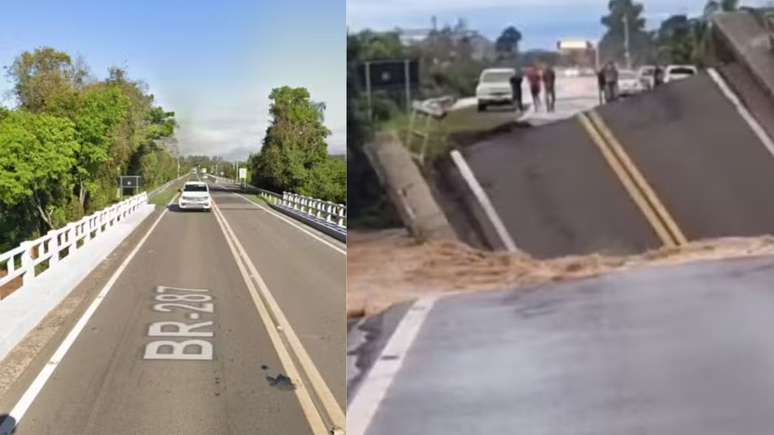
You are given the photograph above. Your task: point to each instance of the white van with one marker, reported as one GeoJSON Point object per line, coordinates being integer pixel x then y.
{"type": "Point", "coordinates": [494, 87]}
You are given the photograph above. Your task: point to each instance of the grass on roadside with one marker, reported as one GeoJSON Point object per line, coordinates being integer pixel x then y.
{"type": "Point", "coordinates": [256, 199]}
{"type": "Point", "coordinates": [464, 121]}
{"type": "Point", "coordinates": [162, 198]}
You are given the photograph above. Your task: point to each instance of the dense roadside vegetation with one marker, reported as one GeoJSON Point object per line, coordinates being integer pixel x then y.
{"type": "Point", "coordinates": [68, 138]}
{"type": "Point", "coordinates": [294, 156]}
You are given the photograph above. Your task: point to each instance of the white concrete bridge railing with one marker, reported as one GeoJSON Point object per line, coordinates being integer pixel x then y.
{"type": "Point", "coordinates": [24, 260]}
{"type": "Point", "coordinates": [330, 212]}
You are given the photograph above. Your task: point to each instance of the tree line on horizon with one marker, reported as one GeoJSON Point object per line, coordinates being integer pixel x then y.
{"type": "Point", "coordinates": [69, 137]}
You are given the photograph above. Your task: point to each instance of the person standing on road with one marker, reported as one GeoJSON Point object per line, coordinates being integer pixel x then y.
{"type": "Point", "coordinates": [611, 82]}
{"type": "Point", "coordinates": [549, 82]}
{"type": "Point", "coordinates": [658, 76]}
{"type": "Point", "coordinates": [516, 81]}
{"type": "Point", "coordinates": [533, 77]}
{"type": "Point", "coordinates": [601, 85]}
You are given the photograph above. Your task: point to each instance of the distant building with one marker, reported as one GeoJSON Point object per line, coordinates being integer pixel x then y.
{"type": "Point", "coordinates": [577, 53]}
{"type": "Point", "coordinates": [411, 37]}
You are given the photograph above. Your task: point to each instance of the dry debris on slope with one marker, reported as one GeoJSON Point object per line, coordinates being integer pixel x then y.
{"type": "Point", "coordinates": [388, 267]}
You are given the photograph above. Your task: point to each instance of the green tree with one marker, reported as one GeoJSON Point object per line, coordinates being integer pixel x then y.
{"type": "Point", "coordinates": [328, 180]}
{"type": "Point", "coordinates": [612, 45]}
{"type": "Point", "coordinates": [294, 143]}
{"type": "Point", "coordinates": [100, 110]}
{"type": "Point", "coordinates": [675, 40]}
{"type": "Point", "coordinates": [715, 6]}
{"type": "Point", "coordinates": [507, 44]}
{"type": "Point", "coordinates": [37, 154]}
{"type": "Point", "coordinates": [69, 137]}
{"type": "Point", "coordinates": [45, 77]}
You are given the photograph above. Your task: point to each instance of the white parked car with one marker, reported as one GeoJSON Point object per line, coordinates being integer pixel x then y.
{"type": "Point", "coordinates": [629, 83]}
{"type": "Point", "coordinates": [195, 195]}
{"type": "Point", "coordinates": [679, 72]}
{"type": "Point", "coordinates": [494, 87]}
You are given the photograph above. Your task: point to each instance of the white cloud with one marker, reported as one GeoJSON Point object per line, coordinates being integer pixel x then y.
{"type": "Point", "coordinates": [235, 134]}
{"type": "Point", "coordinates": [382, 15]}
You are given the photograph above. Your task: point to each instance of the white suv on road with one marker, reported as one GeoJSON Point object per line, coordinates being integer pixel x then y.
{"type": "Point", "coordinates": [195, 195]}
{"type": "Point", "coordinates": [679, 72]}
{"type": "Point", "coordinates": [494, 87]}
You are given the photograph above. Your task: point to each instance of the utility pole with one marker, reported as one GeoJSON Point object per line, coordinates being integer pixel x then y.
{"type": "Point", "coordinates": [627, 54]}
{"type": "Point", "coordinates": [406, 73]}
{"type": "Point", "coordinates": [368, 90]}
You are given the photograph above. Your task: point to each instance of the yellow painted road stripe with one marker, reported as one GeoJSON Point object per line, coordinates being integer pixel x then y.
{"type": "Point", "coordinates": [639, 179]}
{"type": "Point", "coordinates": [277, 325]}
{"type": "Point", "coordinates": [628, 183]}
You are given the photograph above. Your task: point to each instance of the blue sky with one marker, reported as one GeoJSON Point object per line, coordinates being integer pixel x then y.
{"type": "Point", "coordinates": [212, 62]}
{"type": "Point", "coordinates": [542, 22]}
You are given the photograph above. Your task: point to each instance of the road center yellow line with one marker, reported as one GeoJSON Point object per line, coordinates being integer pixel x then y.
{"type": "Point", "coordinates": [276, 323]}
{"type": "Point", "coordinates": [628, 184]}
{"type": "Point", "coordinates": [303, 395]}
{"type": "Point", "coordinates": [639, 179]}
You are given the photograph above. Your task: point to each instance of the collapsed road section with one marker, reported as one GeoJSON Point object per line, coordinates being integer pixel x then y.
{"type": "Point", "coordinates": [690, 160]}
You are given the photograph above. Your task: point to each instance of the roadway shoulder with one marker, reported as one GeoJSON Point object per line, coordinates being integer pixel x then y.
{"type": "Point", "coordinates": [23, 363]}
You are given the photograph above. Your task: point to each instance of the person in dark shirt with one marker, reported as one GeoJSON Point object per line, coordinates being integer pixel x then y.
{"type": "Point", "coordinates": [601, 85]}
{"type": "Point", "coordinates": [516, 81]}
{"type": "Point", "coordinates": [611, 82]}
{"type": "Point", "coordinates": [549, 82]}
{"type": "Point", "coordinates": [658, 76]}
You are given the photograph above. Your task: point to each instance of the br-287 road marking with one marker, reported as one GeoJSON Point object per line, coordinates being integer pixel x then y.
{"type": "Point", "coordinates": [181, 299]}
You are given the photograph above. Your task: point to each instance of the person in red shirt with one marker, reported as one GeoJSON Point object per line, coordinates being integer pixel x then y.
{"type": "Point", "coordinates": [533, 77]}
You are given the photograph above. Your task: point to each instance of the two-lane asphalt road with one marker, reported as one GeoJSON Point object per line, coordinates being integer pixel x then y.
{"type": "Point", "coordinates": [684, 162]}
{"type": "Point", "coordinates": [229, 322]}
{"type": "Point", "coordinates": [669, 350]}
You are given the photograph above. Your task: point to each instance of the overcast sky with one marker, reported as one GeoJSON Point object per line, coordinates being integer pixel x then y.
{"type": "Point", "coordinates": [212, 62]}
{"type": "Point", "coordinates": [542, 22]}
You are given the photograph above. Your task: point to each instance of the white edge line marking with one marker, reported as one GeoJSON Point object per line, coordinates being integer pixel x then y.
{"type": "Point", "coordinates": [334, 411]}
{"type": "Point", "coordinates": [483, 199]}
{"type": "Point", "coordinates": [746, 115]}
{"type": "Point", "coordinates": [17, 413]}
{"type": "Point", "coordinates": [287, 220]}
{"type": "Point", "coordinates": [369, 396]}
{"type": "Point", "coordinates": [302, 394]}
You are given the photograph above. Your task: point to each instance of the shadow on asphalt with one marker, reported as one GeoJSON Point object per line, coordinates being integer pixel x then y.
{"type": "Point", "coordinates": [11, 423]}
{"type": "Point", "coordinates": [174, 208]}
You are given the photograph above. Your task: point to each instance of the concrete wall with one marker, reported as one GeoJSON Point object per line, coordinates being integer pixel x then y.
{"type": "Point", "coordinates": [407, 189]}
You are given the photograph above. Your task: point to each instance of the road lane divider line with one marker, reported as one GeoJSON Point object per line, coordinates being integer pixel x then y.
{"type": "Point", "coordinates": [745, 114]}
{"type": "Point", "coordinates": [276, 323]}
{"type": "Point", "coordinates": [8, 426]}
{"type": "Point", "coordinates": [627, 182]}
{"type": "Point", "coordinates": [483, 200]}
{"type": "Point", "coordinates": [639, 179]}
{"type": "Point", "coordinates": [290, 222]}
{"type": "Point", "coordinates": [378, 380]}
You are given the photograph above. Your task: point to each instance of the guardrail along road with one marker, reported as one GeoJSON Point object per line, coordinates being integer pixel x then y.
{"type": "Point", "coordinates": [201, 323]}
